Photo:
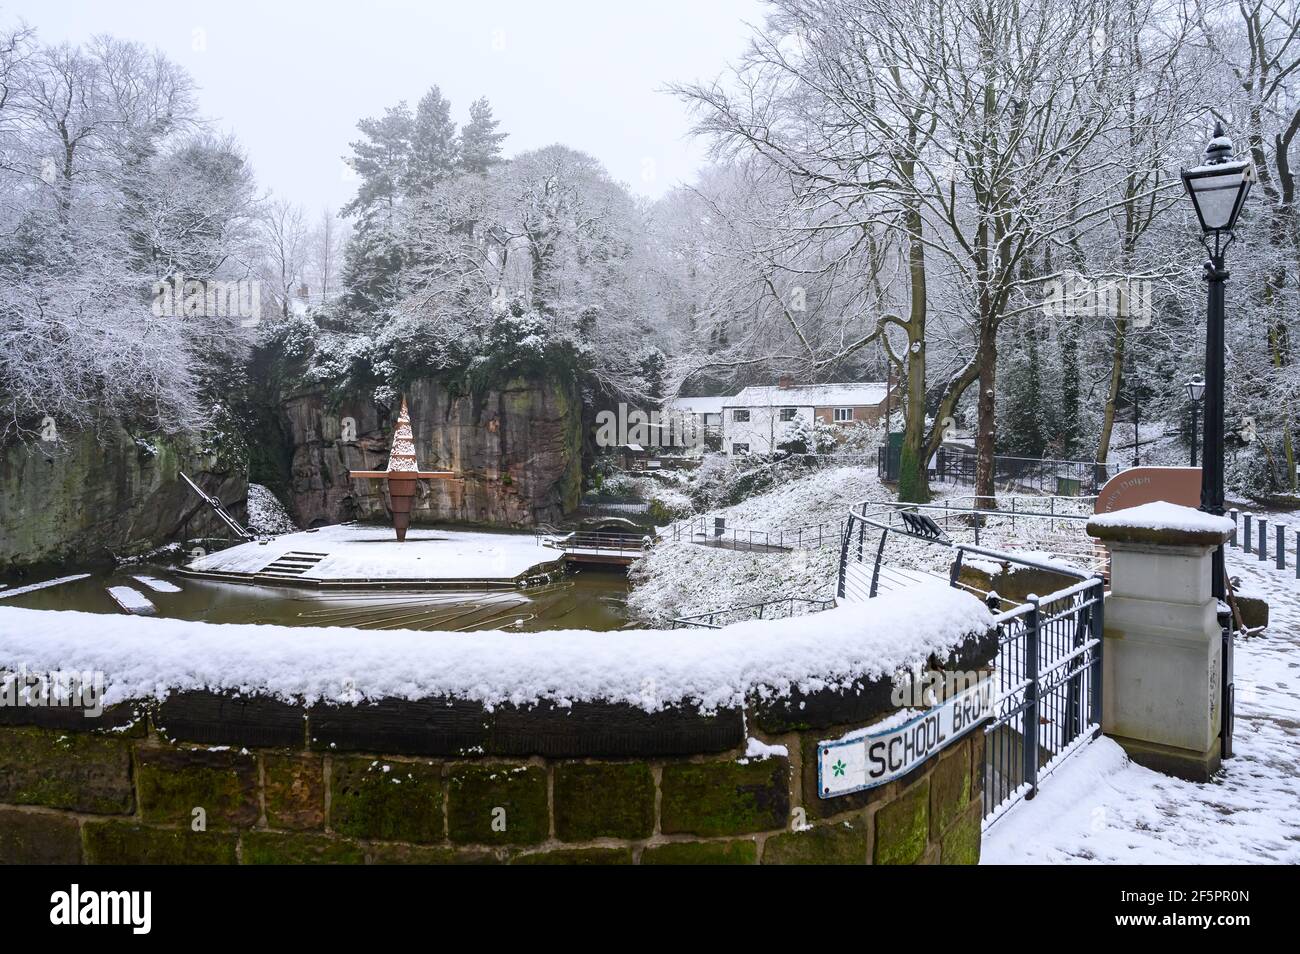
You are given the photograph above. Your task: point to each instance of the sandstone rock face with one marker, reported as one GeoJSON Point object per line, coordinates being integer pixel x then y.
{"type": "Point", "coordinates": [93, 496]}
{"type": "Point", "coordinates": [518, 451]}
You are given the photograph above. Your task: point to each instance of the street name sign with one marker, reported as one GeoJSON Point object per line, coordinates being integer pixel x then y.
{"type": "Point", "coordinates": [864, 759]}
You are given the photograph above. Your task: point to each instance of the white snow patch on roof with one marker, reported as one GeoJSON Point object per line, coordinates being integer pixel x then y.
{"type": "Point", "coordinates": [698, 405]}
{"type": "Point", "coordinates": [811, 395]}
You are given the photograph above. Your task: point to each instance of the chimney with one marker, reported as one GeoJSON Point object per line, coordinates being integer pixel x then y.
{"type": "Point", "coordinates": [785, 381]}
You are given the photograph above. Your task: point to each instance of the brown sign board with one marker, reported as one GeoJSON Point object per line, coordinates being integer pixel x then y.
{"type": "Point", "coordinates": [1141, 485]}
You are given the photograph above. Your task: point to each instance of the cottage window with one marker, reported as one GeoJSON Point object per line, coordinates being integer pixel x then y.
{"type": "Point", "coordinates": [740, 448]}
{"type": "Point", "coordinates": [843, 414]}
{"type": "Point", "coordinates": [788, 413]}
{"type": "Point", "coordinates": [740, 416]}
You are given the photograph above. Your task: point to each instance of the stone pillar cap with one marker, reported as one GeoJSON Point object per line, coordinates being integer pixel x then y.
{"type": "Point", "coordinates": [1161, 522]}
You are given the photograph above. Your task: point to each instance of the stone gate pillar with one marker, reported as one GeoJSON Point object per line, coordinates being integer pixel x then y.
{"type": "Point", "coordinates": [1162, 653]}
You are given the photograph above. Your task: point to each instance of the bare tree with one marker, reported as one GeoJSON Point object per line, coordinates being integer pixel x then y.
{"type": "Point", "coordinates": [287, 244]}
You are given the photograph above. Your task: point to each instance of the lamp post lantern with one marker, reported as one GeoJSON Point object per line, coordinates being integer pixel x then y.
{"type": "Point", "coordinates": [1196, 394]}
{"type": "Point", "coordinates": [1218, 189]}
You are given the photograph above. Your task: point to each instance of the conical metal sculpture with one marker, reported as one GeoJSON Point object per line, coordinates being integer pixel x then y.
{"type": "Point", "coordinates": [402, 473]}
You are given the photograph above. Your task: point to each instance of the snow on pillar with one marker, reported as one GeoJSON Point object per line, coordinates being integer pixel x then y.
{"type": "Point", "coordinates": [1162, 656]}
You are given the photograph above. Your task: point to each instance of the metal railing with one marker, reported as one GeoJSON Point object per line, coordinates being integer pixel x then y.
{"type": "Point", "coordinates": [782, 608]}
{"type": "Point", "coordinates": [1045, 530]}
{"type": "Point", "coordinates": [613, 506]}
{"type": "Point", "coordinates": [1047, 701]}
{"type": "Point", "coordinates": [622, 544]}
{"type": "Point", "coordinates": [1066, 478]}
{"type": "Point", "coordinates": [713, 532]}
{"type": "Point", "coordinates": [1048, 691]}
{"type": "Point", "coordinates": [218, 509]}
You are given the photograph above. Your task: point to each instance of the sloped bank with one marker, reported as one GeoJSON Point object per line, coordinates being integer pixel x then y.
{"type": "Point", "coordinates": [636, 747]}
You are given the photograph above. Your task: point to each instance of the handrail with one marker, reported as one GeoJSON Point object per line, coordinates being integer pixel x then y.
{"type": "Point", "coordinates": [220, 510]}
{"type": "Point", "coordinates": [1000, 555]}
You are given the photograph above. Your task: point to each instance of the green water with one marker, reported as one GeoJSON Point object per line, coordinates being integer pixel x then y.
{"type": "Point", "coordinates": [585, 599]}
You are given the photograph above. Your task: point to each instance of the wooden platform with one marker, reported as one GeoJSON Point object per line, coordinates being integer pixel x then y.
{"type": "Point", "coordinates": [364, 556]}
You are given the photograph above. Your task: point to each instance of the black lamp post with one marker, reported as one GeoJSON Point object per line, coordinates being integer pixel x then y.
{"type": "Point", "coordinates": [1218, 189]}
{"type": "Point", "coordinates": [1196, 394]}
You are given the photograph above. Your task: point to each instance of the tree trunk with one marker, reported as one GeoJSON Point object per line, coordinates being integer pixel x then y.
{"type": "Point", "coordinates": [986, 432]}
{"type": "Point", "coordinates": [913, 475]}
{"type": "Point", "coordinates": [1112, 392]}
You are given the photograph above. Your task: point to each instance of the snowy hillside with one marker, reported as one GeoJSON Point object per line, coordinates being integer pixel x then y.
{"type": "Point", "coordinates": [679, 578]}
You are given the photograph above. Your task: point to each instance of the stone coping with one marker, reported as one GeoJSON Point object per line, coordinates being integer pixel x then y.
{"type": "Point", "coordinates": [1158, 536]}
{"type": "Point", "coordinates": [446, 726]}
{"type": "Point", "coordinates": [1161, 523]}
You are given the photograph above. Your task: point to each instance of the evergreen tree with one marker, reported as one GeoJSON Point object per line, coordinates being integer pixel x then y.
{"type": "Point", "coordinates": [381, 161]}
{"type": "Point", "coordinates": [480, 143]}
{"type": "Point", "coordinates": [434, 145]}
{"type": "Point", "coordinates": [373, 257]}
{"type": "Point", "coordinates": [653, 366]}
{"type": "Point", "coordinates": [1022, 430]}
{"type": "Point", "coordinates": [1067, 428]}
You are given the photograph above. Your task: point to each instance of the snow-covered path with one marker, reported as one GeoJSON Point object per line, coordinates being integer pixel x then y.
{"type": "Point", "coordinates": [1101, 808]}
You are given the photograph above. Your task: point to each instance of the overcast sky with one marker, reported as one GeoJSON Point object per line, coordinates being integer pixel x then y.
{"type": "Point", "coordinates": [291, 79]}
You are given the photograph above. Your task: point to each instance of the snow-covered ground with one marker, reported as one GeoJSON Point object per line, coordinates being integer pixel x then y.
{"type": "Point", "coordinates": [1100, 807]}
{"type": "Point", "coordinates": [679, 578]}
{"type": "Point", "coordinates": [363, 552]}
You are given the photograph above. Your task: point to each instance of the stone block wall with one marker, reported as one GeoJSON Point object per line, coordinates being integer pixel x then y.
{"type": "Point", "coordinates": [449, 782]}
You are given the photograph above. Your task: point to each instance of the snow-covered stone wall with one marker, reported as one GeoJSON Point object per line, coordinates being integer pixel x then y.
{"type": "Point", "coordinates": [639, 747]}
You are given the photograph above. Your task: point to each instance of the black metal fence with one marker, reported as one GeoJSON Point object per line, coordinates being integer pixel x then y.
{"type": "Point", "coordinates": [621, 544]}
{"type": "Point", "coordinates": [714, 532]}
{"type": "Point", "coordinates": [1048, 691]}
{"type": "Point", "coordinates": [1065, 478]}
{"type": "Point", "coordinates": [1047, 701]}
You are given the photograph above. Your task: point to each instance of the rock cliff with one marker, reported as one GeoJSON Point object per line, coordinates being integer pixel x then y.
{"type": "Point", "coordinates": [517, 450]}
{"type": "Point", "coordinates": [93, 496]}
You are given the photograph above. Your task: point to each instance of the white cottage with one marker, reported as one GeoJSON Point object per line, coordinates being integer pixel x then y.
{"type": "Point", "coordinates": [758, 419]}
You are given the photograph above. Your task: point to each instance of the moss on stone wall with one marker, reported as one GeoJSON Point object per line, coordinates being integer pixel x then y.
{"type": "Point", "coordinates": [71, 770]}
{"type": "Point", "coordinates": [386, 800]}
{"type": "Point", "coordinates": [497, 804]}
{"type": "Point", "coordinates": [94, 495]}
{"type": "Point", "coordinates": [604, 800]}
{"type": "Point", "coordinates": [59, 790]}
{"type": "Point", "coordinates": [726, 798]}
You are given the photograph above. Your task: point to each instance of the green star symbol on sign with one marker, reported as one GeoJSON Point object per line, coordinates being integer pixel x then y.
{"type": "Point", "coordinates": [839, 767]}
